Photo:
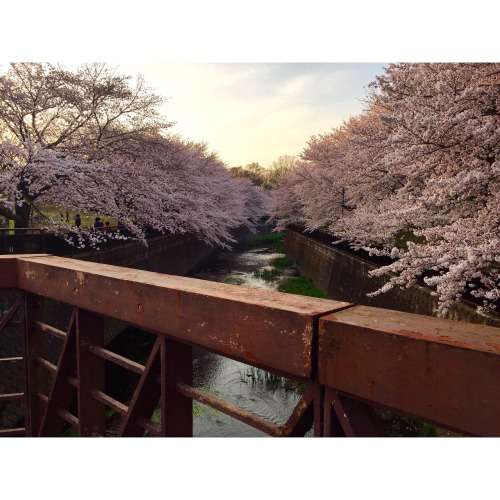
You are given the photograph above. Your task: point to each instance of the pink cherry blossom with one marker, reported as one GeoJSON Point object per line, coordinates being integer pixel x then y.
{"type": "Point", "coordinates": [422, 158]}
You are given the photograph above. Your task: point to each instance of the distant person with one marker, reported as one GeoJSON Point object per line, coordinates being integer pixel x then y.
{"type": "Point", "coordinates": [78, 220]}
{"type": "Point", "coordinates": [98, 223]}
{"type": "Point", "coordinates": [106, 227]}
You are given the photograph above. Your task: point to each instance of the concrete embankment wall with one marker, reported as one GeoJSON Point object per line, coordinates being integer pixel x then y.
{"type": "Point", "coordinates": [169, 254]}
{"type": "Point", "coordinates": [345, 277]}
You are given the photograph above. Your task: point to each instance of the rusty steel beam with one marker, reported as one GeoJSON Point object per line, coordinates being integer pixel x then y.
{"type": "Point", "coordinates": [8, 271]}
{"type": "Point", "coordinates": [12, 397]}
{"type": "Point", "coordinates": [44, 363]}
{"type": "Point", "coordinates": [440, 371]}
{"type": "Point", "coordinates": [105, 354]}
{"type": "Point", "coordinates": [36, 380]}
{"type": "Point", "coordinates": [149, 426]}
{"type": "Point", "coordinates": [302, 417]}
{"type": "Point", "coordinates": [12, 361]}
{"type": "Point", "coordinates": [62, 393]}
{"type": "Point", "coordinates": [266, 329]}
{"type": "Point", "coordinates": [68, 417]}
{"type": "Point", "coordinates": [52, 369]}
{"type": "Point", "coordinates": [18, 431]}
{"type": "Point", "coordinates": [231, 409]}
{"type": "Point", "coordinates": [90, 374]}
{"type": "Point", "coordinates": [145, 397]}
{"type": "Point", "coordinates": [44, 328]}
{"type": "Point", "coordinates": [176, 408]}
{"type": "Point", "coordinates": [108, 401]}
{"type": "Point", "coordinates": [350, 418]}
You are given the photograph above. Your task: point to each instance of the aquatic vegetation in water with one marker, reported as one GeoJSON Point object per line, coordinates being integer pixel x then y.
{"type": "Point", "coordinates": [267, 238]}
{"type": "Point", "coordinates": [272, 381]}
{"type": "Point", "coordinates": [267, 274]}
{"type": "Point", "coordinates": [282, 262]}
{"type": "Point", "coordinates": [234, 280]}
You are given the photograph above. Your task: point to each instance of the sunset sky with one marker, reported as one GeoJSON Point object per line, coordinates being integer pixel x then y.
{"type": "Point", "coordinates": [256, 112]}
{"type": "Point", "coordinates": [257, 81]}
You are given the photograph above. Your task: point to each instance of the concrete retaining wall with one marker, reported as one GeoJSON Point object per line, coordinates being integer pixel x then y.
{"type": "Point", "coordinates": [169, 254]}
{"type": "Point", "coordinates": [345, 277]}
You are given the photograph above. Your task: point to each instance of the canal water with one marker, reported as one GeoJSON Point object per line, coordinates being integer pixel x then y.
{"type": "Point", "coordinates": [264, 394]}
{"type": "Point", "coordinates": [255, 390]}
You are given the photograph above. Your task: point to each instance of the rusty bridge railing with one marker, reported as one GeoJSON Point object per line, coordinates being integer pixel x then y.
{"type": "Point", "coordinates": [353, 360]}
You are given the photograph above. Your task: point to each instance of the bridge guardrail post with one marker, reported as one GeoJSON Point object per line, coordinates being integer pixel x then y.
{"type": "Point", "coordinates": [90, 374]}
{"type": "Point", "coordinates": [36, 378]}
{"type": "Point", "coordinates": [176, 409]}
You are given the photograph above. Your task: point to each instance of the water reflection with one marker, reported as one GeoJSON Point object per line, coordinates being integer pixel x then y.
{"type": "Point", "coordinates": [238, 268]}
{"type": "Point", "coordinates": [231, 380]}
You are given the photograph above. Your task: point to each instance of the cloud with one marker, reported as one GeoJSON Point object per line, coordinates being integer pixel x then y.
{"type": "Point", "coordinates": [250, 112]}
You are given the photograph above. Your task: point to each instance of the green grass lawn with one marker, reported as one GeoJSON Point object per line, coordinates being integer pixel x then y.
{"type": "Point", "coordinates": [87, 218]}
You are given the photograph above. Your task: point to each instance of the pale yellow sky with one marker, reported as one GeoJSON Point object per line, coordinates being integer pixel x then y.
{"type": "Point", "coordinates": [250, 112]}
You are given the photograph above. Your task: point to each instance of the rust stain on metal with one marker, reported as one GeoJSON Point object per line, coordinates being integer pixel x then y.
{"type": "Point", "coordinates": [178, 302]}
{"type": "Point", "coordinates": [496, 347]}
{"type": "Point", "coordinates": [434, 338]}
{"type": "Point", "coordinates": [458, 343]}
{"type": "Point", "coordinates": [250, 357]}
{"type": "Point", "coordinates": [31, 275]}
{"type": "Point", "coordinates": [82, 278]}
{"type": "Point", "coordinates": [410, 333]}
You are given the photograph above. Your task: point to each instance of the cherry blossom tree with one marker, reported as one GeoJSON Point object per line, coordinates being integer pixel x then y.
{"type": "Point", "coordinates": [56, 125]}
{"type": "Point", "coordinates": [443, 137]}
{"type": "Point", "coordinates": [422, 160]}
{"type": "Point", "coordinates": [92, 141]}
{"type": "Point", "coordinates": [179, 187]}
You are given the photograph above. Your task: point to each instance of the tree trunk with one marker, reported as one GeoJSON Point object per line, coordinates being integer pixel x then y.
{"type": "Point", "coordinates": [23, 213]}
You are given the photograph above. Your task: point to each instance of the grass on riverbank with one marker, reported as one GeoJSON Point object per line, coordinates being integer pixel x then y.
{"type": "Point", "coordinates": [267, 238]}
{"type": "Point", "coordinates": [301, 285]}
{"type": "Point", "coordinates": [278, 239]}
{"type": "Point", "coordinates": [268, 275]}
{"type": "Point", "coordinates": [68, 216]}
